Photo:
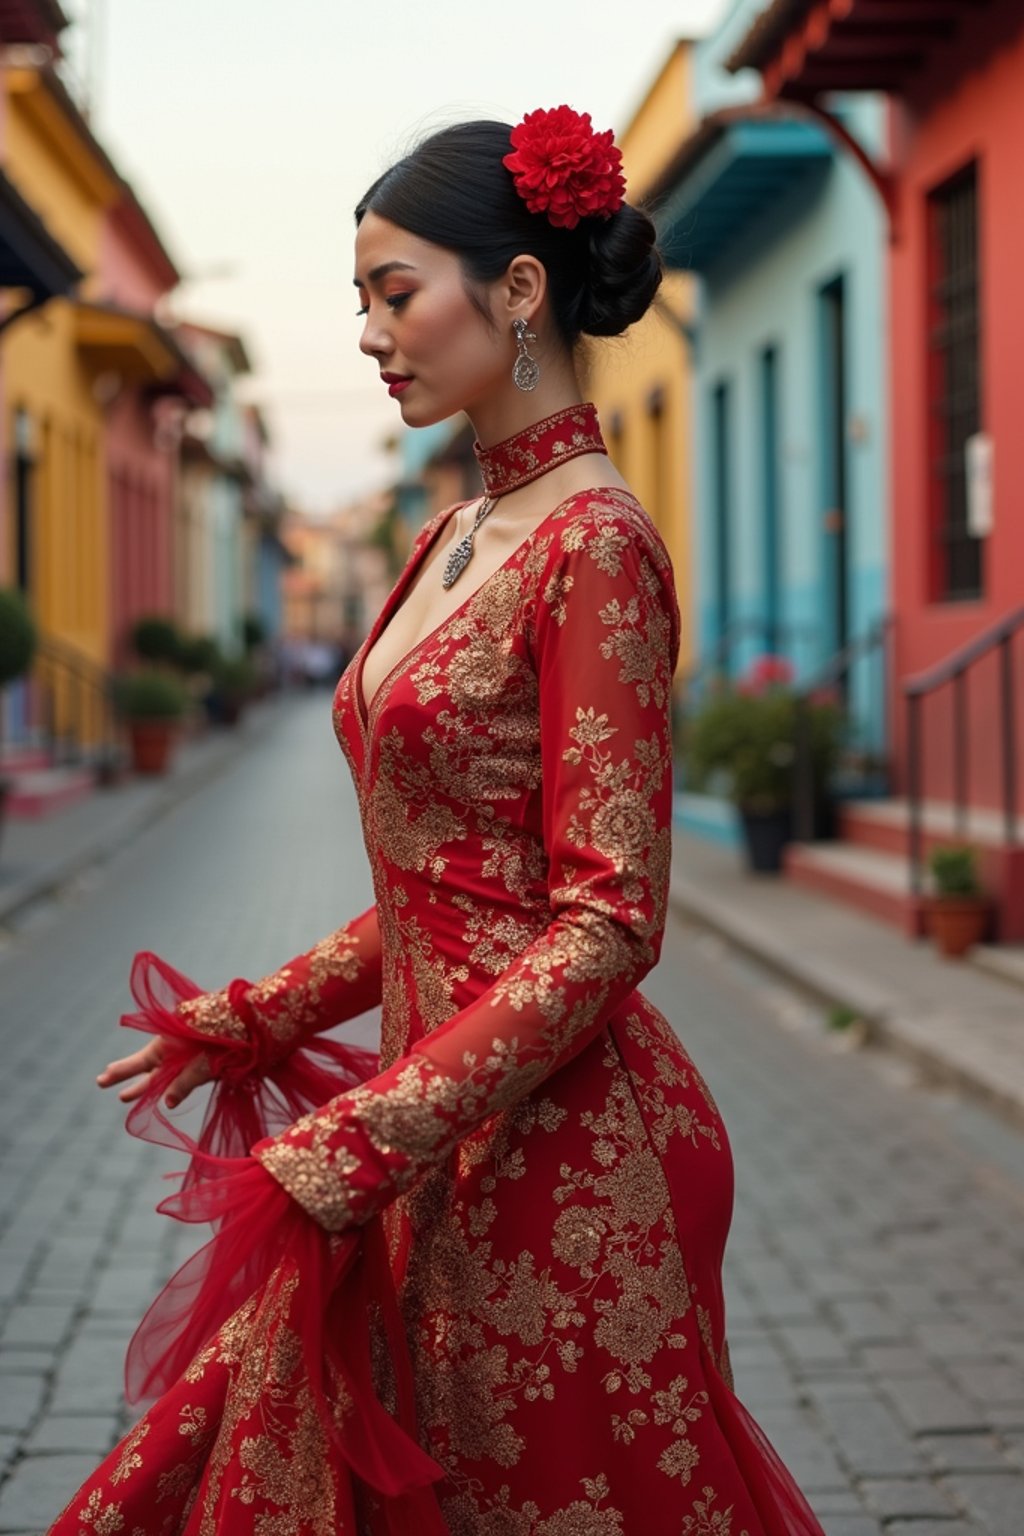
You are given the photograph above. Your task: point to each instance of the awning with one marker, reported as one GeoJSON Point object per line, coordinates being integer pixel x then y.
{"type": "Point", "coordinates": [804, 47]}
{"type": "Point", "coordinates": [30, 257]}
{"type": "Point", "coordinates": [724, 177]}
{"type": "Point", "coordinates": [140, 349]}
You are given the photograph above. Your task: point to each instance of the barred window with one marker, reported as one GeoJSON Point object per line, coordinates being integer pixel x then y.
{"type": "Point", "coordinates": [954, 383]}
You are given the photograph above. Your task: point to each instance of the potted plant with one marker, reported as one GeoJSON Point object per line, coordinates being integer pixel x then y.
{"type": "Point", "coordinates": [152, 703]}
{"type": "Point", "coordinates": [234, 680]}
{"type": "Point", "coordinates": [958, 911]}
{"type": "Point", "coordinates": [745, 736]}
{"type": "Point", "coordinates": [18, 640]}
{"type": "Point", "coordinates": [254, 631]}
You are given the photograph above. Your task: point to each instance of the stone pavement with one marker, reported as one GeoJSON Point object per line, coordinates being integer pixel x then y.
{"type": "Point", "coordinates": [875, 1265]}
{"type": "Point", "coordinates": [40, 857]}
{"type": "Point", "coordinates": [958, 1022]}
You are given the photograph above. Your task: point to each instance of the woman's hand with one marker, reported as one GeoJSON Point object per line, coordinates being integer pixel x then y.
{"type": "Point", "coordinates": [143, 1063]}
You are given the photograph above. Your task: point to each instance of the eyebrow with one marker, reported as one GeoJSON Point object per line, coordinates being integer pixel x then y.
{"type": "Point", "coordinates": [383, 270]}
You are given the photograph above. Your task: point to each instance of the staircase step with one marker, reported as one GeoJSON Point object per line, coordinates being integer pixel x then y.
{"type": "Point", "coordinates": [874, 881]}
{"type": "Point", "coordinates": [885, 825]}
{"type": "Point", "coordinates": [45, 791]}
{"type": "Point", "coordinates": [1003, 960]}
{"type": "Point", "coordinates": [23, 760]}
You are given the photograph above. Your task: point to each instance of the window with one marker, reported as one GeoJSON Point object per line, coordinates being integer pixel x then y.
{"type": "Point", "coordinates": [955, 556]}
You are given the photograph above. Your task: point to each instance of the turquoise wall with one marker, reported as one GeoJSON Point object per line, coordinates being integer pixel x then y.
{"type": "Point", "coordinates": [766, 291]}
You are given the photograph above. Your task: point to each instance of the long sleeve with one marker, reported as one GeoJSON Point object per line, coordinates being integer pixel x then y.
{"type": "Point", "coordinates": [604, 637]}
{"type": "Point", "coordinates": [336, 980]}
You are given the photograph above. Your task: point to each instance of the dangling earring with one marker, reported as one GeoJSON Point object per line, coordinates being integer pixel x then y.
{"type": "Point", "coordinates": [526, 373]}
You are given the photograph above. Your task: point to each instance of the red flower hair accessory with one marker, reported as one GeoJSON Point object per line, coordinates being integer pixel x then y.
{"type": "Point", "coordinates": [563, 168]}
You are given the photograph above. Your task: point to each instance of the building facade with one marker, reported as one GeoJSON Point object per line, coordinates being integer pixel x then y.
{"type": "Point", "coordinates": [213, 543]}
{"type": "Point", "coordinates": [947, 179]}
{"type": "Point", "coordinates": [789, 380]}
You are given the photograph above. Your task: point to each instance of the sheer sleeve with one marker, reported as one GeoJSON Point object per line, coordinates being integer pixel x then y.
{"type": "Point", "coordinates": [604, 635]}
{"type": "Point", "coordinates": [336, 980]}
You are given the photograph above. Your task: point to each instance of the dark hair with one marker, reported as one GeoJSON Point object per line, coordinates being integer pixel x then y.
{"type": "Point", "coordinates": [453, 190]}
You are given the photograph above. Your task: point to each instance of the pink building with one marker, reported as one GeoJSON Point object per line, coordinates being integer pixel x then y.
{"type": "Point", "coordinates": [145, 383]}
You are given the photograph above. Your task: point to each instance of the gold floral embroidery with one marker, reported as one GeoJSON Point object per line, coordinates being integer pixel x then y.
{"type": "Point", "coordinates": [704, 1521]}
{"type": "Point", "coordinates": [212, 1014]}
{"type": "Point", "coordinates": [102, 1519]}
{"type": "Point", "coordinates": [465, 1515]}
{"type": "Point", "coordinates": [130, 1461]}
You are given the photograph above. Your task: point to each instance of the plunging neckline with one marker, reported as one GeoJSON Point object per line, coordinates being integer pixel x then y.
{"type": "Point", "coordinates": [394, 601]}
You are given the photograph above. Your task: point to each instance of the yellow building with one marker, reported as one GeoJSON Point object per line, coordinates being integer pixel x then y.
{"type": "Point", "coordinates": [58, 533]}
{"type": "Point", "coordinates": [641, 381]}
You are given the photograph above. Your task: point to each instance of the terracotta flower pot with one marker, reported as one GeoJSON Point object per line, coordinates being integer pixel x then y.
{"type": "Point", "coordinates": [152, 741]}
{"type": "Point", "coordinates": [958, 922]}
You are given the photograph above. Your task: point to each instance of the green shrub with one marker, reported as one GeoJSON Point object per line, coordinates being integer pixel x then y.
{"type": "Point", "coordinates": [234, 677]}
{"type": "Point", "coordinates": [149, 696]}
{"type": "Point", "coordinates": [18, 636]}
{"type": "Point", "coordinates": [254, 631]}
{"type": "Point", "coordinates": [156, 639]}
{"type": "Point", "coordinates": [955, 871]}
{"type": "Point", "coordinates": [198, 653]}
{"type": "Point", "coordinates": [750, 739]}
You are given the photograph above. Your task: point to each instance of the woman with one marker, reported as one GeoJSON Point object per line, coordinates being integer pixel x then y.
{"type": "Point", "coordinates": [478, 1289]}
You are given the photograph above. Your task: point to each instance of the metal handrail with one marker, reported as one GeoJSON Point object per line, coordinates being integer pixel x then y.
{"type": "Point", "coordinates": [955, 669]}
{"type": "Point", "coordinates": [945, 671]}
{"type": "Point", "coordinates": [739, 630]}
{"type": "Point", "coordinates": [62, 669]}
{"type": "Point", "coordinates": [875, 640]}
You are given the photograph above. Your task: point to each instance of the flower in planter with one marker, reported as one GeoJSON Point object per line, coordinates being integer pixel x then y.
{"type": "Point", "coordinates": [767, 672]}
{"type": "Point", "coordinates": [747, 734]}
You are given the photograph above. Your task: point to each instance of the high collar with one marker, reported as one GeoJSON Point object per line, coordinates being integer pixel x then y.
{"type": "Point", "coordinates": [528, 454]}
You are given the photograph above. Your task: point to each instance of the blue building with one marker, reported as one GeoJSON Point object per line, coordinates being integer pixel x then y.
{"type": "Point", "coordinates": [790, 451]}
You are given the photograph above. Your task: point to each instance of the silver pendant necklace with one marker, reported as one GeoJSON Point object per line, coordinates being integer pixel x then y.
{"type": "Point", "coordinates": [462, 554]}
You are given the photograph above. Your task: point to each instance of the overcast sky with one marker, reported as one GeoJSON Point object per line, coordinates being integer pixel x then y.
{"type": "Point", "coordinates": [250, 128]}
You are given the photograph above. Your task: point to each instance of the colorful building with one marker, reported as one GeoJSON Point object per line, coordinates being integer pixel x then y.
{"type": "Point", "coordinates": [789, 381]}
{"type": "Point", "coordinates": [213, 550]}
{"type": "Point", "coordinates": [949, 181]}
{"type": "Point", "coordinates": [640, 382]}
{"type": "Point", "coordinates": [59, 539]}
{"type": "Point", "coordinates": [144, 383]}
{"type": "Point", "coordinates": [267, 555]}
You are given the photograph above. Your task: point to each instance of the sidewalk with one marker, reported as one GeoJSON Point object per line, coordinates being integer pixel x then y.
{"type": "Point", "coordinates": [958, 1023]}
{"type": "Point", "coordinates": [39, 857]}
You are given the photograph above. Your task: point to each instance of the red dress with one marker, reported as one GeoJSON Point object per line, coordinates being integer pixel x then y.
{"type": "Point", "coordinates": [536, 1171]}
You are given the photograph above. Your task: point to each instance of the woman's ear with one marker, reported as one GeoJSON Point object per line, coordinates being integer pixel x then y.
{"type": "Point", "coordinates": [523, 288]}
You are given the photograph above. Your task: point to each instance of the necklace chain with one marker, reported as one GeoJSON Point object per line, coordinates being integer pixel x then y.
{"type": "Point", "coordinates": [462, 553]}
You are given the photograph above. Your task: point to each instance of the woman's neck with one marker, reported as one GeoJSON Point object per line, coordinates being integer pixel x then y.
{"type": "Point", "coordinates": [514, 410]}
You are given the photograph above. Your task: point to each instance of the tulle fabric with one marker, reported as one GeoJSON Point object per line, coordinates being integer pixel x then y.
{"type": "Point", "coordinates": [265, 1244]}
{"type": "Point", "coordinates": [771, 1487]}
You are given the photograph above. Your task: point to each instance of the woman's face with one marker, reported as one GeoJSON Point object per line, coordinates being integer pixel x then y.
{"type": "Point", "coordinates": [420, 325]}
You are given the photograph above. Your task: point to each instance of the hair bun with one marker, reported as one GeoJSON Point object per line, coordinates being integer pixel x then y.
{"type": "Point", "coordinates": [625, 272]}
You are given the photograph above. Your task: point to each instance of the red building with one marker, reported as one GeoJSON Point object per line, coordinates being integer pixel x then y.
{"type": "Point", "coordinates": [146, 382]}
{"type": "Point", "coordinates": [954, 72]}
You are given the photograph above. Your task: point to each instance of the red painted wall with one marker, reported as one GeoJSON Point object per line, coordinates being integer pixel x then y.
{"type": "Point", "coordinates": [140, 487]}
{"type": "Point", "coordinates": [970, 106]}
{"type": "Point", "coordinates": [141, 474]}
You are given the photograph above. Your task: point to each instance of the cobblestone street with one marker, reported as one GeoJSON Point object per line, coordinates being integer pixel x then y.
{"type": "Point", "coordinates": [876, 1266]}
